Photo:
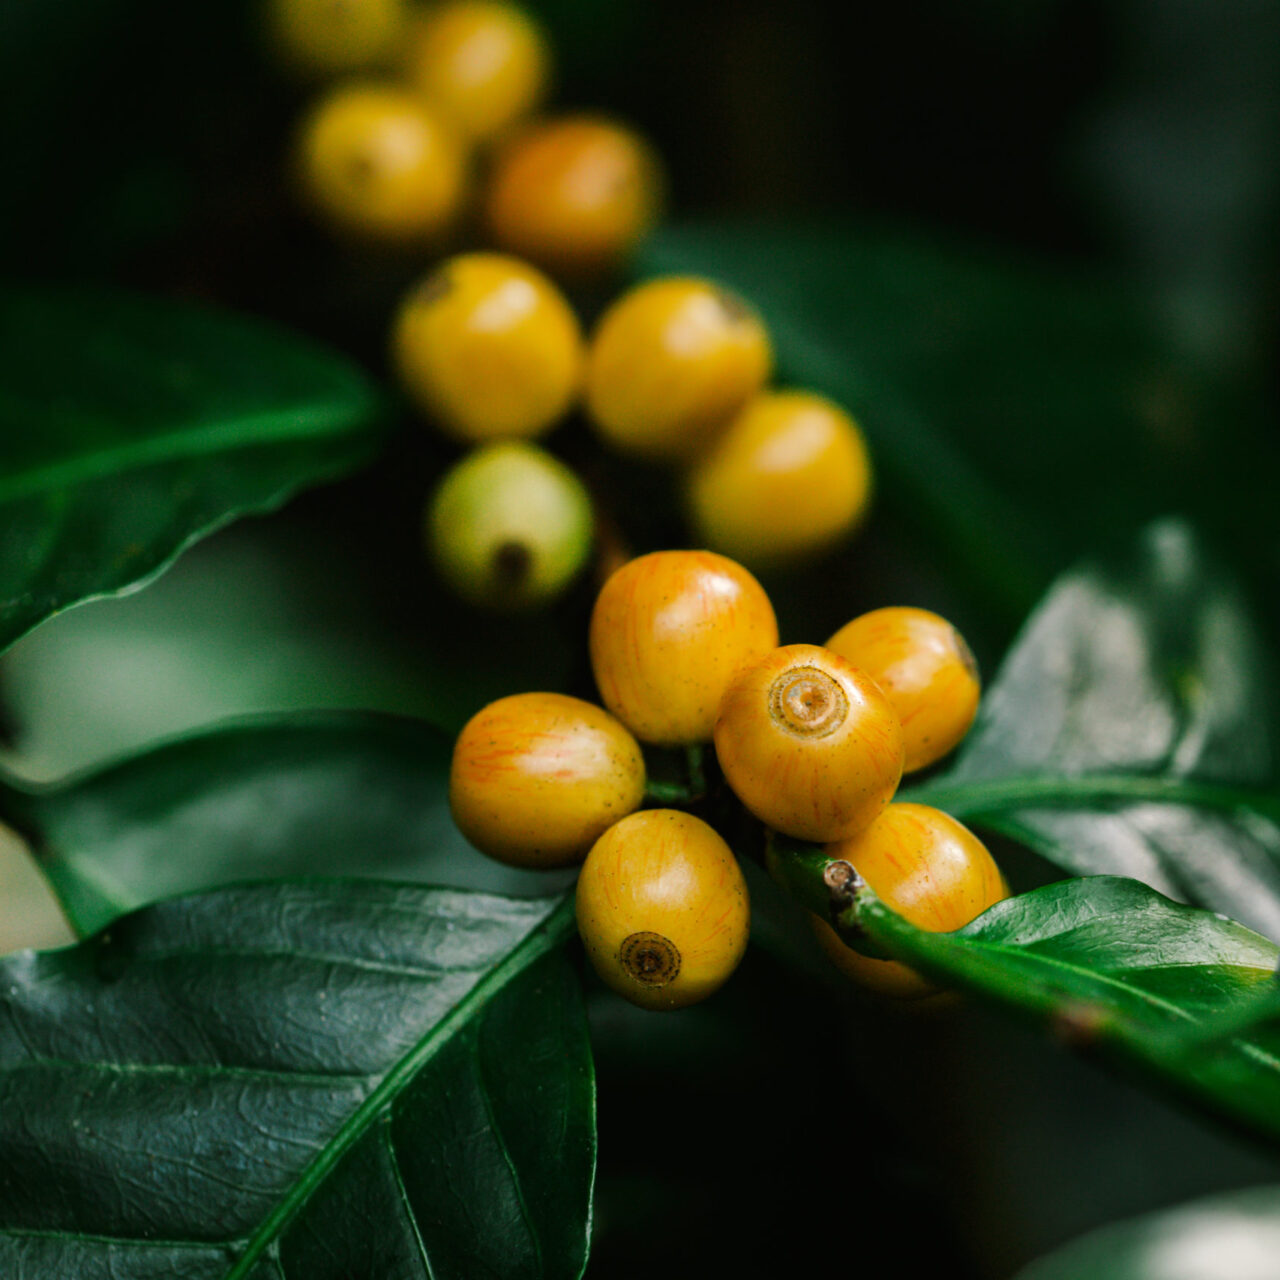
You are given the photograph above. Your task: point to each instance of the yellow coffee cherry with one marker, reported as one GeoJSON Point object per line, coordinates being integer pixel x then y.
{"type": "Point", "coordinates": [537, 778]}
{"type": "Point", "coordinates": [575, 194]}
{"type": "Point", "coordinates": [669, 632]}
{"type": "Point", "coordinates": [481, 63]}
{"type": "Point", "coordinates": [809, 743]}
{"type": "Point", "coordinates": [509, 526]}
{"type": "Point", "coordinates": [925, 669]}
{"type": "Point", "coordinates": [789, 477]}
{"type": "Point", "coordinates": [324, 37]}
{"type": "Point", "coordinates": [663, 909]}
{"type": "Point", "coordinates": [670, 362]}
{"type": "Point", "coordinates": [489, 348]}
{"type": "Point", "coordinates": [376, 163]}
{"type": "Point", "coordinates": [931, 870]}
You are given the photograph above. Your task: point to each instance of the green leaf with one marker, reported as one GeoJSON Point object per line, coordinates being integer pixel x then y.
{"type": "Point", "coordinates": [341, 794]}
{"type": "Point", "coordinates": [312, 1079]}
{"type": "Point", "coordinates": [1130, 732]}
{"type": "Point", "coordinates": [1226, 1237]}
{"type": "Point", "coordinates": [1114, 967]}
{"type": "Point", "coordinates": [130, 427]}
{"type": "Point", "coordinates": [1014, 412]}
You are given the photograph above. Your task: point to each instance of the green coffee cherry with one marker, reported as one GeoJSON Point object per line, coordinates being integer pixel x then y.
{"type": "Point", "coordinates": [509, 526]}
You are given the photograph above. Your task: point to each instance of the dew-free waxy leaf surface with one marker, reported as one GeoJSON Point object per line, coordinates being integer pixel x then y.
{"type": "Point", "coordinates": [312, 1080]}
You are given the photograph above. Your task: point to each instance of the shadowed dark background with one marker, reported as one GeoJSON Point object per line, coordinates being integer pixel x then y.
{"type": "Point", "coordinates": [784, 1126]}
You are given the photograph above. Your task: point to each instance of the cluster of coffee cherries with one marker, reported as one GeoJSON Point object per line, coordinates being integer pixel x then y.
{"type": "Point", "coordinates": [675, 372]}
{"type": "Point", "coordinates": [811, 739]}
{"type": "Point", "coordinates": [435, 134]}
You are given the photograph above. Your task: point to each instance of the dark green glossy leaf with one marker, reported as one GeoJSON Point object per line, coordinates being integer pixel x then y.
{"type": "Point", "coordinates": [1130, 732]}
{"type": "Point", "coordinates": [1184, 996]}
{"type": "Point", "coordinates": [335, 794]}
{"type": "Point", "coordinates": [1014, 412]}
{"type": "Point", "coordinates": [129, 427]}
{"type": "Point", "coordinates": [317, 1080]}
{"type": "Point", "coordinates": [1228, 1237]}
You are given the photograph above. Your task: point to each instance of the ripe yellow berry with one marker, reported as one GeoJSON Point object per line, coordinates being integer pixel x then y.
{"type": "Point", "coordinates": [376, 163]}
{"type": "Point", "coordinates": [509, 526]}
{"type": "Point", "coordinates": [575, 194]}
{"type": "Point", "coordinates": [925, 669]}
{"type": "Point", "coordinates": [787, 479]}
{"type": "Point", "coordinates": [669, 632]}
{"type": "Point", "coordinates": [489, 347]}
{"type": "Point", "coordinates": [670, 362]}
{"type": "Point", "coordinates": [538, 777]}
{"type": "Point", "coordinates": [481, 63]}
{"type": "Point", "coordinates": [328, 36]}
{"type": "Point", "coordinates": [809, 743]}
{"type": "Point", "coordinates": [663, 909]}
{"type": "Point", "coordinates": [931, 870]}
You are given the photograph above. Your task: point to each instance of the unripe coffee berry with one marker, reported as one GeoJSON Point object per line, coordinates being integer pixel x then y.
{"type": "Point", "coordinates": [925, 669]}
{"type": "Point", "coordinates": [510, 526]}
{"type": "Point", "coordinates": [669, 632]}
{"type": "Point", "coordinates": [931, 870]}
{"type": "Point", "coordinates": [489, 348]}
{"type": "Point", "coordinates": [662, 909]}
{"type": "Point", "coordinates": [670, 362]}
{"type": "Point", "coordinates": [809, 743]}
{"type": "Point", "coordinates": [482, 63]}
{"type": "Point", "coordinates": [328, 36]}
{"type": "Point", "coordinates": [538, 777]}
{"type": "Point", "coordinates": [575, 194]}
{"type": "Point", "coordinates": [376, 163]}
{"type": "Point", "coordinates": [789, 477]}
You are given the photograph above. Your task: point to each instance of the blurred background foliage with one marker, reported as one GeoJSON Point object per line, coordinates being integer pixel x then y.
{"type": "Point", "coordinates": [1122, 149]}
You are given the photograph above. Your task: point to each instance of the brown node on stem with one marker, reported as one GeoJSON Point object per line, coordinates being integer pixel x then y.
{"type": "Point", "coordinates": [807, 702]}
{"type": "Point", "coordinates": [842, 879]}
{"type": "Point", "coordinates": [1079, 1024]}
{"type": "Point", "coordinates": [650, 958]}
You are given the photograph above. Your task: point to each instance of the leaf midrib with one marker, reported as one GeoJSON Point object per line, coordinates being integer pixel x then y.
{"type": "Point", "coordinates": [893, 927]}
{"type": "Point", "coordinates": [1084, 791]}
{"type": "Point", "coordinates": [263, 429]}
{"type": "Point", "coordinates": [545, 935]}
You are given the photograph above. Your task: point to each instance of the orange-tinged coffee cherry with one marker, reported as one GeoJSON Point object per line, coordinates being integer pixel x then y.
{"type": "Point", "coordinates": [925, 669]}
{"type": "Point", "coordinates": [323, 37]}
{"type": "Point", "coordinates": [663, 909]}
{"type": "Point", "coordinates": [489, 348]}
{"type": "Point", "coordinates": [789, 477]}
{"type": "Point", "coordinates": [669, 632]}
{"type": "Point", "coordinates": [575, 194]}
{"type": "Point", "coordinates": [538, 777]}
{"type": "Point", "coordinates": [931, 870]}
{"type": "Point", "coordinates": [670, 362]}
{"type": "Point", "coordinates": [809, 743]}
{"type": "Point", "coordinates": [376, 163]}
{"type": "Point", "coordinates": [481, 63]}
